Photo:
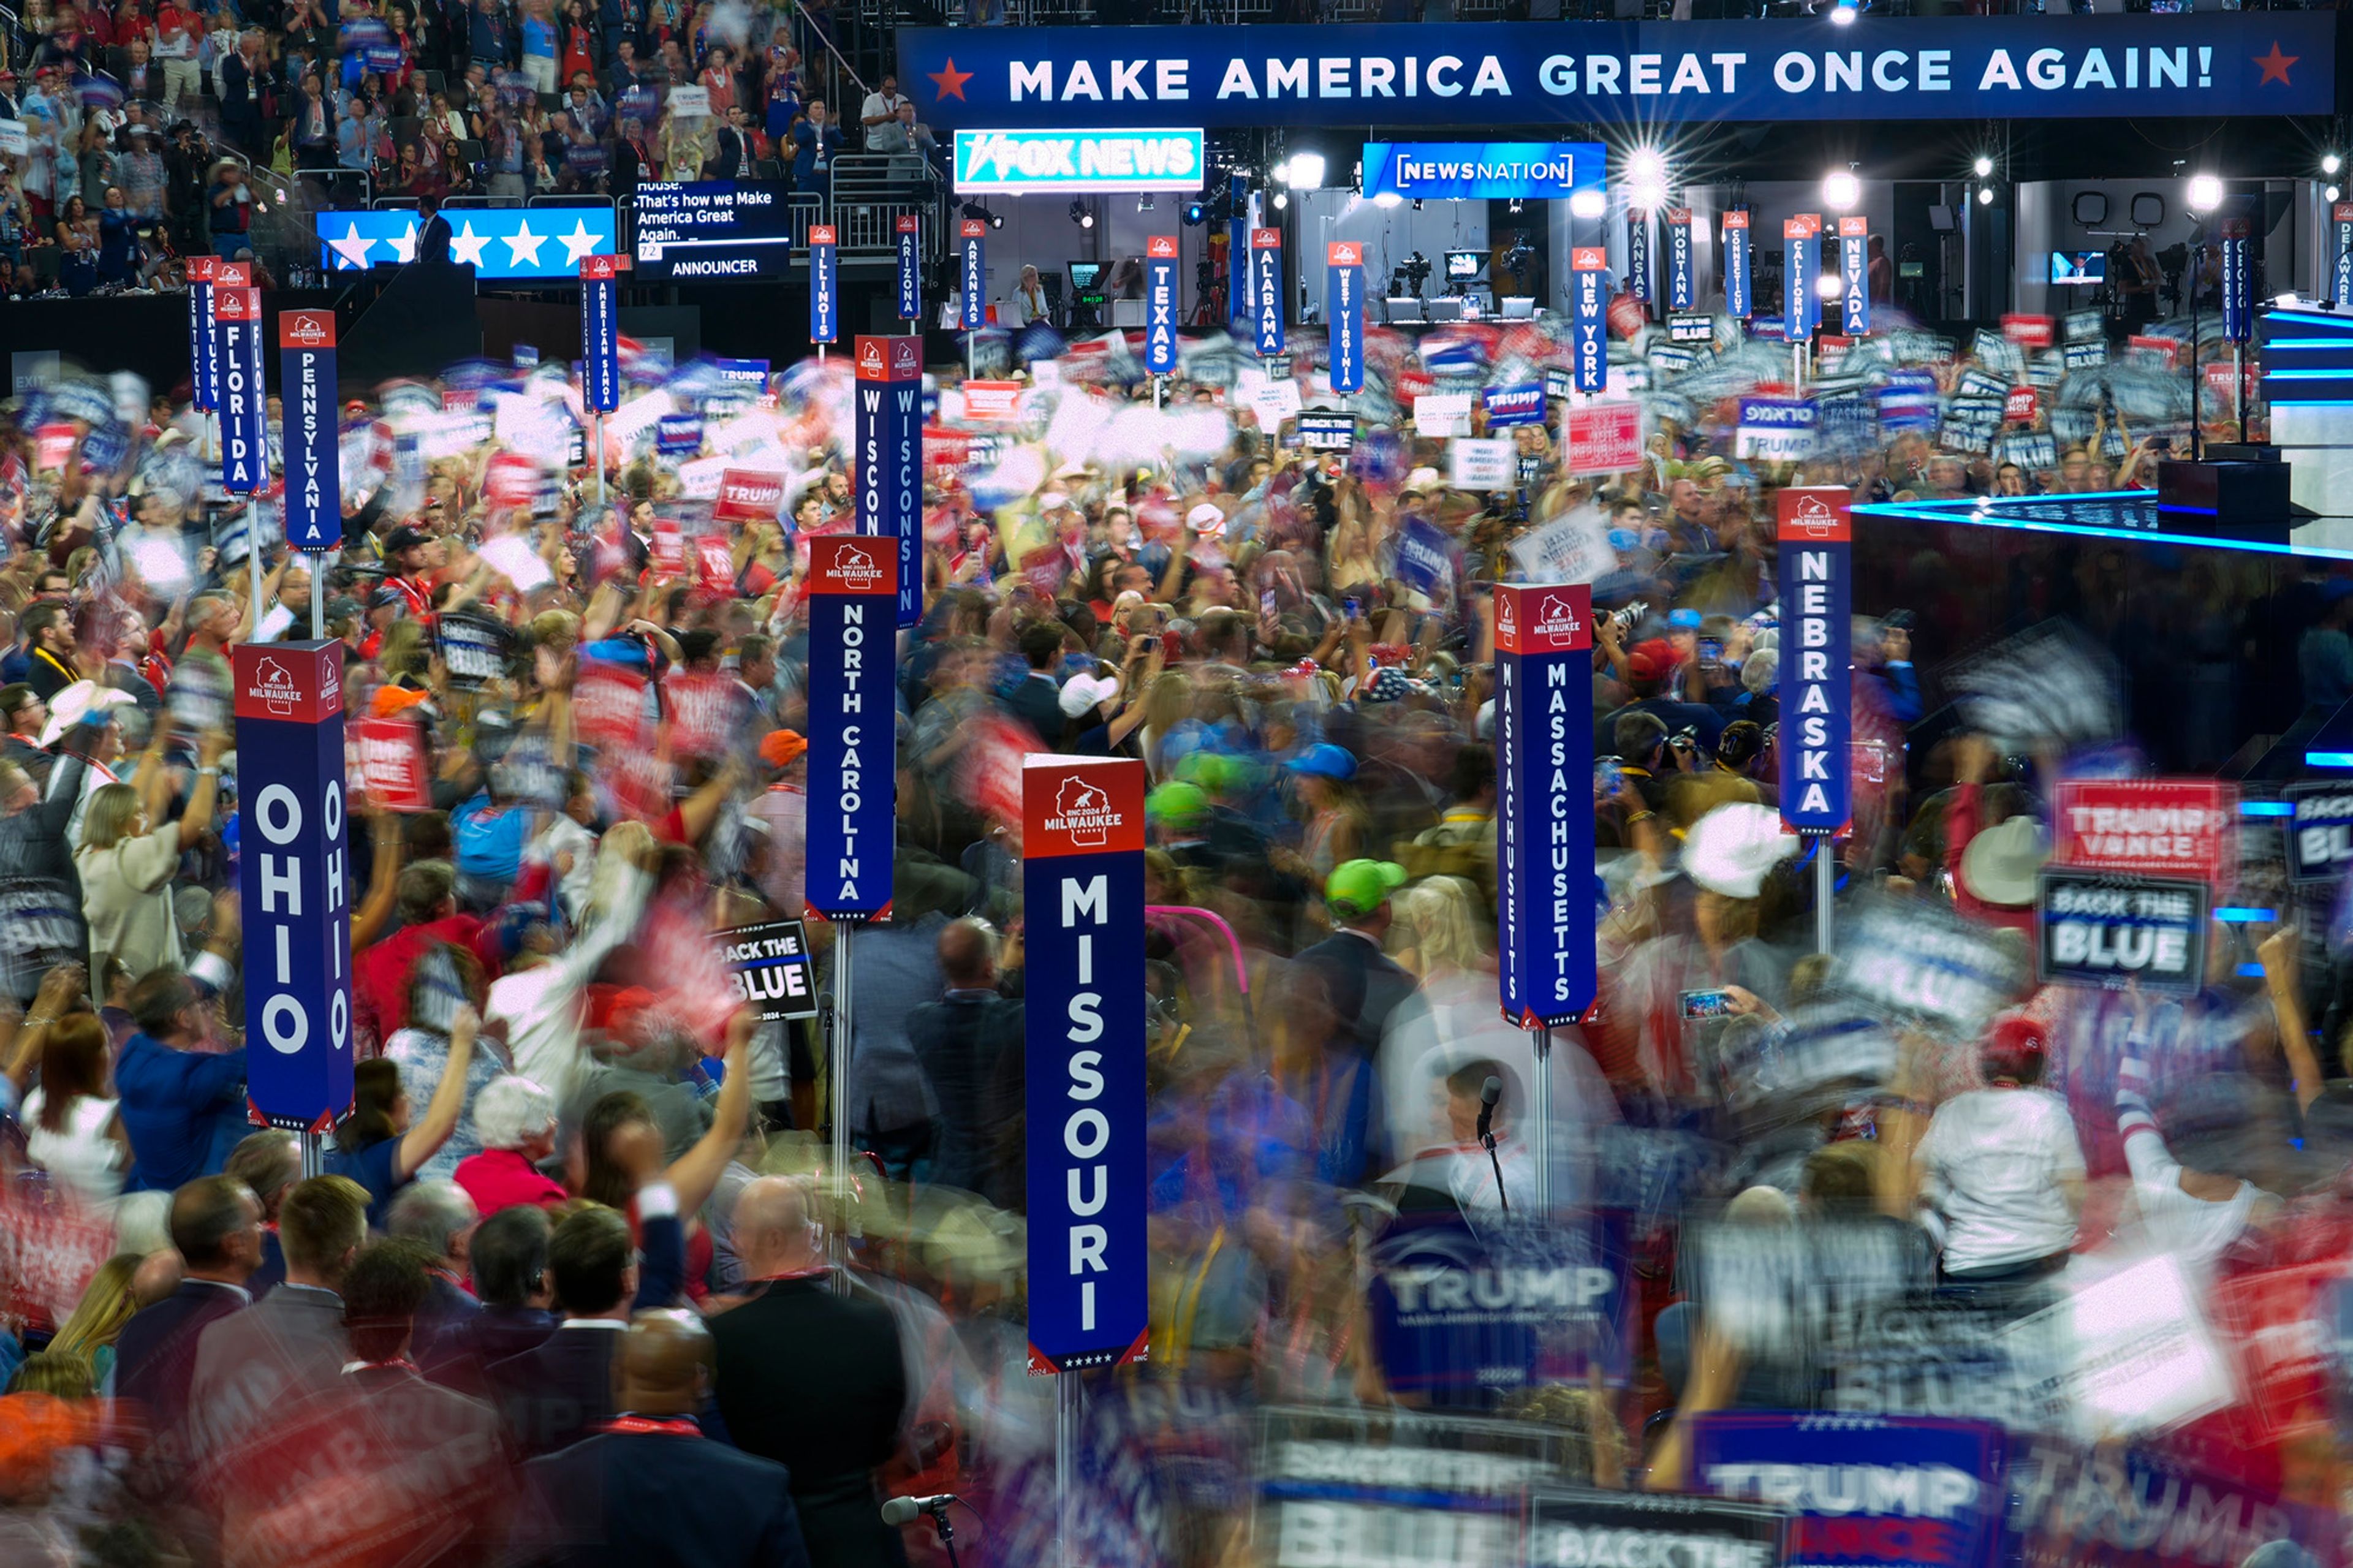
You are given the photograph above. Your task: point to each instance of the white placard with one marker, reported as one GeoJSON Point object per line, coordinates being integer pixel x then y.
{"type": "Point", "coordinates": [1437, 415]}
{"type": "Point", "coordinates": [1574, 548]}
{"type": "Point", "coordinates": [1484, 463]}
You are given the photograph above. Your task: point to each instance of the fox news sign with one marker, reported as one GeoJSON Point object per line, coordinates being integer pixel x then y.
{"type": "Point", "coordinates": [1012, 161]}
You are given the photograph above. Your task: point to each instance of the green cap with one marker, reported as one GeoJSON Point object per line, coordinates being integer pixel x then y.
{"type": "Point", "coordinates": [1178, 804]}
{"type": "Point", "coordinates": [1357, 888]}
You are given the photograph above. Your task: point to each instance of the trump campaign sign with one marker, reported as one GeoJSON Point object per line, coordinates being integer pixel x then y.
{"type": "Point", "coordinates": [1817, 701]}
{"type": "Point", "coordinates": [292, 891]}
{"type": "Point", "coordinates": [890, 457]}
{"type": "Point", "coordinates": [1544, 757]}
{"type": "Point", "coordinates": [244, 442]}
{"type": "Point", "coordinates": [1160, 304]}
{"type": "Point", "coordinates": [2320, 831]}
{"type": "Point", "coordinates": [1082, 884]}
{"type": "Point", "coordinates": [1890, 1491]}
{"type": "Point", "coordinates": [2152, 828]}
{"type": "Point", "coordinates": [854, 594]}
{"type": "Point", "coordinates": [825, 288]}
{"type": "Point", "coordinates": [315, 490]}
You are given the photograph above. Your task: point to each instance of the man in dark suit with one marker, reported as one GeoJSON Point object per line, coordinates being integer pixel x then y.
{"type": "Point", "coordinates": [290, 1343]}
{"type": "Point", "coordinates": [831, 1416]}
{"type": "Point", "coordinates": [553, 1393]}
{"type": "Point", "coordinates": [1363, 984]}
{"type": "Point", "coordinates": [1038, 701]}
{"type": "Point", "coordinates": [215, 1227]}
{"type": "Point", "coordinates": [382, 1467]}
{"type": "Point", "coordinates": [960, 1039]}
{"type": "Point", "coordinates": [509, 1254]}
{"type": "Point", "coordinates": [240, 100]}
{"type": "Point", "coordinates": [612, 1500]}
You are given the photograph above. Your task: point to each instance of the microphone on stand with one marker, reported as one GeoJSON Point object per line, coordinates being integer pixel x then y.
{"type": "Point", "coordinates": [1490, 1093]}
{"type": "Point", "coordinates": [902, 1511]}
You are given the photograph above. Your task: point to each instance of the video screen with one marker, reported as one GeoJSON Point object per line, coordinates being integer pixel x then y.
{"type": "Point", "coordinates": [1462, 266]}
{"type": "Point", "coordinates": [2079, 266]}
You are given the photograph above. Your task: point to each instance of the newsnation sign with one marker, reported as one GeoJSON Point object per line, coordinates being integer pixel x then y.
{"type": "Point", "coordinates": [1529, 73]}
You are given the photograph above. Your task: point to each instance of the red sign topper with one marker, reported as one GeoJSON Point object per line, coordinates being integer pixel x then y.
{"type": "Point", "coordinates": [973, 229]}
{"type": "Point", "coordinates": [1266, 239]}
{"type": "Point", "coordinates": [1161, 247]}
{"type": "Point", "coordinates": [909, 224]}
{"type": "Point", "coordinates": [294, 683]}
{"type": "Point", "coordinates": [1736, 218]}
{"type": "Point", "coordinates": [2341, 213]}
{"type": "Point", "coordinates": [2159, 827]}
{"type": "Point", "coordinates": [1074, 806]}
{"type": "Point", "coordinates": [200, 268]}
{"type": "Point", "coordinates": [853, 563]}
{"type": "Point", "coordinates": [234, 274]}
{"type": "Point", "coordinates": [1589, 258]}
{"type": "Point", "coordinates": [821, 234]}
{"type": "Point", "coordinates": [1678, 215]}
{"type": "Point", "coordinates": [890, 358]}
{"type": "Point", "coordinates": [1816, 515]}
{"type": "Point", "coordinates": [306, 329]}
{"type": "Point", "coordinates": [597, 268]}
{"type": "Point", "coordinates": [1544, 617]}
{"type": "Point", "coordinates": [1344, 253]}
{"type": "Point", "coordinates": [1854, 227]}
{"type": "Point", "coordinates": [236, 304]}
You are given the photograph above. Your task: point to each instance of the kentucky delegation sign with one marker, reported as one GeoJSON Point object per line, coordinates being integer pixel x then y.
{"type": "Point", "coordinates": [1532, 73]}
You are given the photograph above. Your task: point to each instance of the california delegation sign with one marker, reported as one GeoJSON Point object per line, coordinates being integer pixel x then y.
{"type": "Point", "coordinates": [1531, 73]}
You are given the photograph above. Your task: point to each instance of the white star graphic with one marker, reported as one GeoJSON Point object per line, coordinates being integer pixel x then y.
{"type": "Point", "coordinates": [352, 250]}
{"type": "Point", "coordinates": [524, 244]}
{"type": "Point", "coordinates": [466, 245]}
{"type": "Point", "coordinates": [404, 244]}
{"type": "Point", "coordinates": [579, 245]}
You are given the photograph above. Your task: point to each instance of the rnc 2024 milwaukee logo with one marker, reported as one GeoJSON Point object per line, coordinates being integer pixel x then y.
{"type": "Point", "coordinates": [1084, 811]}
{"type": "Point", "coordinates": [274, 687]}
{"type": "Point", "coordinates": [857, 571]}
{"type": "Point", "coordinates": [1815, 518]}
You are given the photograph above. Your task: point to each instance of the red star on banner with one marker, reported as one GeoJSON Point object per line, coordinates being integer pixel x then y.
{"type": "Point", "coordinates": [950, 81]}
{"type": "Point", "coordinates": [2275, 66]}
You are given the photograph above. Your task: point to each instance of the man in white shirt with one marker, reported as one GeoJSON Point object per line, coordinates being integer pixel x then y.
{"type": "Point", "coordinates": [881, 108]}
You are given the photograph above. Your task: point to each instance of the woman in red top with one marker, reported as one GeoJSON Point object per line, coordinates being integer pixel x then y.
{"type": "Point", "coordinates": [579, 43]}
{"type": "Point", "coordinates": [515, 1119]}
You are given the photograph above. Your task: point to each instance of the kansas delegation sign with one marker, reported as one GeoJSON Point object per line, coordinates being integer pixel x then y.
{"type": "Point", "coordinates": [1530, 73]}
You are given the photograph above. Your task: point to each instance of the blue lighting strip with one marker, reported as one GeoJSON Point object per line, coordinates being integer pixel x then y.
{"type": "Point", "coordinates": [2006, 513]}
{"type": "Point", "coordinates": [2328, 759]}
{"type": "Point", "coordinates": [2234, 915]}
{"type": "Point", "coordinates": [2266, 808]}
{"type": "Point", "coordinates": [2253, 971]}
{"type": "Point", "coordinates": [2311, 375]}
{"type": "Point", "coordinates": [2344, 342]}
{"type": "Point", "coordinates": [2343, 322]}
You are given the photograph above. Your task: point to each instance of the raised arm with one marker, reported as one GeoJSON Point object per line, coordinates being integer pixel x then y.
{"type": "Point", "coordinates": [432, 1129]}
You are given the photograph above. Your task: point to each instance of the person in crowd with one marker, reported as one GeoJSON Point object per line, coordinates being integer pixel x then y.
{"type": "Point", "coordinates": [182, 1105]}
{"type": "Point", "coordinates": [861, 1384]}
{"type": "Point", "coordinates": [2001, 1167]}
{"type": "Point", "coordinates": [107, 1303]}
{"type": "Point", "coordinates": [269, 1163]}
{"type": "Point", "coordinates": [250, 1365]}
{"type": "Point", "coordinates": [126, 860]}
{"type": "Point", "coordinates": [605, 1500]}
{"type": "Point", "coordinates": [216, 1229]}
{"type": "Point", "coordinates": [515, 1123]}
{"type": "Point", "coordinates": [553, 1394]}
{"type": "Point", "coordinates": [383, 1145]}
{"type": "Point", "coordinates": [508, 1253]}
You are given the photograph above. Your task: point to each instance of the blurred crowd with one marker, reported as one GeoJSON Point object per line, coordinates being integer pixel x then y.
{"type": "Point", "coordinates": [579, 1275]}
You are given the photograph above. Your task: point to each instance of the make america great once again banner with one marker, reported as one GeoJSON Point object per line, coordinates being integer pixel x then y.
{"type": "Point", "coordinates": [1532, 73]}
